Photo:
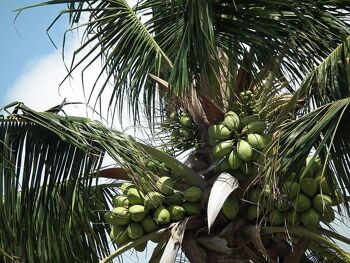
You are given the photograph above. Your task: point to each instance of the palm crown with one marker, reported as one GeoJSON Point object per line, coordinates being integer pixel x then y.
{"type": "Point", "coordinates": [253, 93]}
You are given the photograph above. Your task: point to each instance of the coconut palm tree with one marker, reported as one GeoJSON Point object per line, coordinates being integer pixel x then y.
{"type": "Point", "coordinates": [246, 105]}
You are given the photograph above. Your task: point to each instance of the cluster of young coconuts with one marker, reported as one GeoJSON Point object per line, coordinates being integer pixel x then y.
{"type": "Point", "coordinates": [237, 142]}
{"type": "Point", "coordinates": [135, 213]}
{"type": "Point", "coordinates": [184, 132]}
{"type": "Point", "coordinates": [311, 197]}
{"type": "Point", "coordinates": [305, 201]}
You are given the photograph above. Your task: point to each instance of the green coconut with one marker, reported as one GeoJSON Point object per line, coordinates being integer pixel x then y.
{"type": "Point", "coordinates": [283, 204]}
{"type": "Point", "coordinates": [110, 218]}
{"type": "Point", "coordinates": [321, 201]}
{"type": "Point", "coordinates": [187, 133]}
{"type": "Point", "coordinates": [192, 208]}
{"type": "Point", "coordinates": [231, 121]}
{"type": "Point", "coordinates": [135, 230]}
{"type": "Point", "coordinates": [234, 160]}
{"type": "Point", "coordinates": [152, 166]}
{"type": "Point", "coordinates": [248, 119]}
{"type": "Point", "coordinates": [193, 194]}
{"type": "Point", "coordinates": [302, 203]}
{"type": "Point", "coordinates": [311, 166]}
{"type": "Point", "coordinates": [118, 234]}
{"type": "Point", "coordinates": [173, 116]}
{"type": "Point", "coordinates": [246, 168]}
{"type": "Point", "coordinates": [224, 165]}
{"type": "Point", "coordinates": [323, 185]}
{"type": "Point", "coordinates": [308, 186]}
{"type": "Point", "coordinates": [306, 174]}
{"type": "Point", "coordinates": [186, 121]}
{"type": "Point", "coordinates": [328, 215]}
{"type": "Point", "coordinates": [165, 185]}
{"type": "Point", "coordinates": [121, 215]}
{"type": "Point", "coordinates": [176, 198]}
{"type": "Point", "coordinates": [219, 132]}
{"type": "Point", "coordinates": [222, 149]}
{"type": "Point", "coordinates": [125, 187]}
{"type": "Point", "coordinates": [135, 196]}
{"type": "Point", "coordinates": [244, 150]}
{"type": "Point", "coordinates": [291, 177]}
{"type": "Point", "coordinates": [254, 195]}
{"type": "Point", "coordinates": [149, 225]}
{"type": "Point", "coordinates": [254, 127]}
{"type": "Point", "coordinates": [310, 219]}
{"type": "Point", "coordinates": [256, 155]}
{"type": "Point", "coordinates": [161, 215]}
{"type": "Point", "coordinates": [257, 141]}
{"type": "Point", "coordinates": [212, 141]}
{"type": "Point", "coordinates": [153, 200]}
{"type": "Point", "coordinates": [141, 248]}
{"type": "Point", "coordinates": [162, 167]}
{"type": "Point", "coordinates": [291, 189]}
{"type": "Point", "coordinates": [293, 218]}
{"type": "Point", "coordinates": [240, 176]}
{"type": "Point", "coordinates": [137, 213]}
{"type": "Point", "coordinates": [120, 200]}
{"type": "Point", "coordinates": [318, 163]}
{"type": "Point", "coordinates": [176, 212]}
{"type": "Point", "coordinates": [276, 217]}
{"type": "Point", "coordinates": [230, 208]}
{"type": "Point", "coordinates": [253, 212]}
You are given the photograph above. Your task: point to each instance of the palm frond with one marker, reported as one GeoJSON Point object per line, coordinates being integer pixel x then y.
{"type": "Point", "coordinates": [191, 35]}
{"type": "Point", "coordinates": [197, 57]}
{"type": "Point", "coordinates": [320, 132]}
{"type": "Point", "coordinates": [91, 136]}
{"type": "Point", "coordinates": [117, 33]}
{"type": "Point", "coordinates": [320, 126]}
{"type": "Point", "coordinates": [327, 82]}
{"type": "Point", "coordinates": [49, 210]}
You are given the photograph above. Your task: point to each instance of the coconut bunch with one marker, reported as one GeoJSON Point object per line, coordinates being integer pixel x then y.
{"type": "Point", "coordinates": [184, 131]}
{"type": "Point", "coordinates": [135, 213]}
{"type": "Point", "coordinates": [305, 200]}
{"type": "Point", "coordinates": [237, 142]}
{"type": "Point", "coordinates": [246, 104]}
{"type": "Point", "coordinates": [311, 197]}
{"type": "Point", "coordinates": [157, 167]}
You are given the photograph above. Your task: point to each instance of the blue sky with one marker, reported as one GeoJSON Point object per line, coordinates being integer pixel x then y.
{"type": "Point", "coordinates": [25, 39]}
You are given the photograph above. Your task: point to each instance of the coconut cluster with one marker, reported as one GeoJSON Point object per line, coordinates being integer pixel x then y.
{"type": "Point", "coordinates": [306, 200]}
{"type": "Point", "coordinates": [311, 196]}
{"type": "Point", "coordinates": [246, 104]}
{"type": "Point", "coordinates": [184, 131]}
{"type": "Point", "coordinates": [135, 213]}
{"type": "Point", "coordinates": [238, 142]}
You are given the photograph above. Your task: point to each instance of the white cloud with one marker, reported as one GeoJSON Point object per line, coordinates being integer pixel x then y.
{"type": "Point", "coordinates": [39, 84]}
{"type": "Point", "coordinates": [38, 87]}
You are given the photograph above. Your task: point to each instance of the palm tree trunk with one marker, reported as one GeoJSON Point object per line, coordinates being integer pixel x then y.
{"type": "Point", "coordinates": [198, 254]}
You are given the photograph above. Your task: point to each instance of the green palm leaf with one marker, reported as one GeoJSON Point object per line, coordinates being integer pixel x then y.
{"type": "Point", "coordinates": [322, 128]}
{"type": "Point", "coordinates": [49, 163]}
{"type": "Point", "coordinates": [48, 211]}
{"type": "Point", "coordinates": [194, 35]}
